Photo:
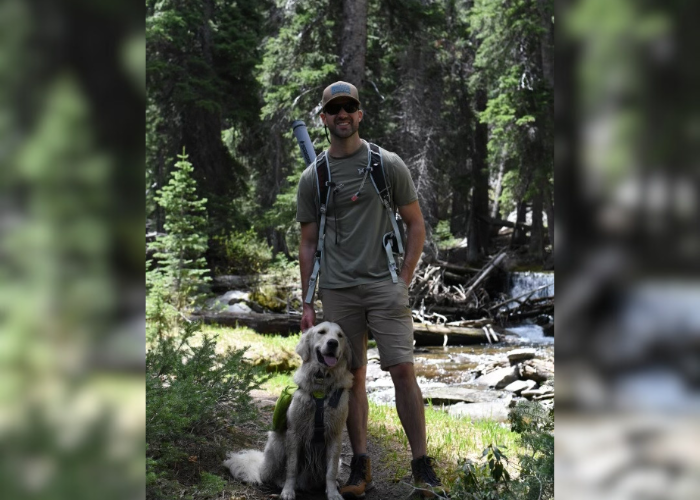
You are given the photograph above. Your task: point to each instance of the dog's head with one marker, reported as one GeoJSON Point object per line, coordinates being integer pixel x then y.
{"type": "Point", "coordinates": [325, 343]}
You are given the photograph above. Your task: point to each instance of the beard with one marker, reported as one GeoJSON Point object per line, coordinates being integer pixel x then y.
{"type": "Point", "coordinates": [345, 131]}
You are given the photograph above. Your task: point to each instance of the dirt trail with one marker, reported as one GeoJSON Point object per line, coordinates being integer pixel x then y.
{"type": "Point", "coordinates": [386, 484]}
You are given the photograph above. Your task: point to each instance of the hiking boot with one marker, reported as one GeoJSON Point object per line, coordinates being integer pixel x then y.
{"type": "Point", "coordinates": [360, 479]}
{"type": "Point", "coordinates": [425, 480]}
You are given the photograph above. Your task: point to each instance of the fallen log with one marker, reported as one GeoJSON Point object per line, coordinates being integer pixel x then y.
{"type": "Point", "coordinates": [485, 271]}
{"type": "Point", "coordinates": [436, 335]}
{"type": "Point", "coordinates": [281, 324]}
{"type": "Point", "coordinates": [288, 324]}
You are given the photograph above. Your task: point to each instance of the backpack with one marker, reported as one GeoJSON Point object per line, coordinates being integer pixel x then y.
{"type": "Point", "coordinates": [392, 242]}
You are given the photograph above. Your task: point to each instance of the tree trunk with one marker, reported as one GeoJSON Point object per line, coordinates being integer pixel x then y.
{"type": "Point", "coordinates": [479, 204]}
{"type": "Point", "coordinates": [497, 190]}
{"type": "Point", "coordinates": [353, 43]}
{"type": "Point", "coordinates": [547, 41]}
{"type": "Point", "coordinates": [537, 228]}
{"type": "Point", "coordinates": [519, 236]}
{"type": "Point", "coordinates": [549, 209]}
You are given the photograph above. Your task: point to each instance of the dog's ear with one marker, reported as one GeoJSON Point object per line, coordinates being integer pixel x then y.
{"type": "Point", "coordinates": [347, 354]}
{"type": "Point", "coordinates": [347, 350]}
{"type": "Point", "coordinates": [304, 346]}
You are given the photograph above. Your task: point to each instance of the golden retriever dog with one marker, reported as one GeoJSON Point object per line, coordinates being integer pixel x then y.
{"type": "Point", "coordinates": [305, 456]}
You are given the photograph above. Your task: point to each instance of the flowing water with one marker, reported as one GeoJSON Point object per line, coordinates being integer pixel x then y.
{"type": "Point", "coordinates": [454, 366]}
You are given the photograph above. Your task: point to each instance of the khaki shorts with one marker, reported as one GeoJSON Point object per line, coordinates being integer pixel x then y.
{"type": "Point", "coordinates": [381, 308]}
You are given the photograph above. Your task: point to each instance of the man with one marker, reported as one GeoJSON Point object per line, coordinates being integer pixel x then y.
{"type": "Point", "coordinates": [356, 286]}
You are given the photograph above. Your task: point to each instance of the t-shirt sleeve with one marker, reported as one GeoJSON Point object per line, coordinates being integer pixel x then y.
{"type": "Point", "coordinates": [307, 211]}
{"type": "Point", "coordinates": [403, 191]}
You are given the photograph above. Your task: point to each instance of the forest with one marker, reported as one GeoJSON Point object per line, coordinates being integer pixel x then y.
{"type": "Point", "coordinates": [461, 90]}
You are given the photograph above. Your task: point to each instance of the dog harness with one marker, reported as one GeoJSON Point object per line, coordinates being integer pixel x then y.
{"type": "Point", "coordinates": [279, 418]}
{"type": "Point", "coordinates": [392, 241]}
{"type": "Point", "coordinates": [320, 399]}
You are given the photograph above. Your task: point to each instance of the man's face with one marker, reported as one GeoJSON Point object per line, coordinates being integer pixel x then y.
{"type": "Point", "coordinates": [342, 124]}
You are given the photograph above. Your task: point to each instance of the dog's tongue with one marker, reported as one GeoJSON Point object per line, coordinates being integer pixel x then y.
{"type": "Point", "coordinates": [330, 360]}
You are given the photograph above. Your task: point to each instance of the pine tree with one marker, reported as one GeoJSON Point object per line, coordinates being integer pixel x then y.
{"type": "Point", "coordinates": [180, 252]}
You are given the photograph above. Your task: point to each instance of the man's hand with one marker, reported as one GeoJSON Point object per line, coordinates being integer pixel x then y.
{"type": "Point", "coordinates": [308, 317]}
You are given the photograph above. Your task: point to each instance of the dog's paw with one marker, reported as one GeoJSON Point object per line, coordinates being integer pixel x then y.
{"type": "Point", "coordinates": [334, 495]}
{"type": "Point", "coordinates": [287, 494]}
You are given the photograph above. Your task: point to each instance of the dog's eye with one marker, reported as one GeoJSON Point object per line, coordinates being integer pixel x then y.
{"type": "Point", "coordinates": [340, 335]}
{"type": "Point", "coordinates": [322, 332]}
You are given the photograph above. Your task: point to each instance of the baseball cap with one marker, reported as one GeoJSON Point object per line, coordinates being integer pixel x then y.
{"type": "Point", "coordinates": [340, 89]}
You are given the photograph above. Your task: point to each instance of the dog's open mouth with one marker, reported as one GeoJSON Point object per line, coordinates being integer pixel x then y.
{"type": "Point", "coordinates": [325, 359]}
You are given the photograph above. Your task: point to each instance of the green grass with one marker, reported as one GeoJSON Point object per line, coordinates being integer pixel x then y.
{"type": "Point", "coordinates": [449, 438]}
{"type": "Point", "coordinates": [245, 337]}
{"type": "Point", "coordinates": [278, 382]}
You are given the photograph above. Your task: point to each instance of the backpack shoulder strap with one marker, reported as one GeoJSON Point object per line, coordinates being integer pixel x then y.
{"type": "Point", "coordinates": [323, 180]}
{"type": "Point", "coordinates": [381, 185]}
{"type": "Point", "coordinates": [378, 175]}
{"type": "Point", "coordinates": [323, 183]}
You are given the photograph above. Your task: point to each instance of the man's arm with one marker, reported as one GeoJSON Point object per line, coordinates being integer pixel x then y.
{"type": "Point", "coordinates": [415, 237]}
{"type": "Point", "coordinates": [307, 250]}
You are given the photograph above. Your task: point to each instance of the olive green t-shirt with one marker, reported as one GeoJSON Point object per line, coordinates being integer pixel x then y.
{"type": "Point", "coordinates": [353, 252]}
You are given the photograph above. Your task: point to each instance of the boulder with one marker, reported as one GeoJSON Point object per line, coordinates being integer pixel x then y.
{"type": "Point", "coordinates": [520, 385]}
{"type": "Point", "coordinates": [239, 308]}
{"type": "Point", "coordinates": [500, 378]}
{"type": "Point", "coordinates": [451, 395]}
{"type": "Point", "coordinates": [517, 355]}
{"type": "Point", "coordinates": [538, 370]}
{"type": "Point", "coordinates": [544, 392]}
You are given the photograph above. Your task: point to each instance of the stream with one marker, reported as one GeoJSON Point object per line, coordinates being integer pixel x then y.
{"type": "Point", "coordinates": [457, 367]}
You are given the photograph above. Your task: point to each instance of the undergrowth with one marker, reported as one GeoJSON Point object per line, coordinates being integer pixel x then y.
{"type": "Point", "coordinates": [192, 392]}
{"type": "Point", "coordinates": [490, 479]}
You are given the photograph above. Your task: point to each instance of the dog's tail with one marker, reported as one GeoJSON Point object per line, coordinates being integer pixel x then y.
{"type": "Point", "coordinates": [246, 465]}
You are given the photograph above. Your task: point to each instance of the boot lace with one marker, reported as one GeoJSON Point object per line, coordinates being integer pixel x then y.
{"type": "Point", "coordinates": [357, 472]}
{"type": "Point", "coordinates": [424, 470]}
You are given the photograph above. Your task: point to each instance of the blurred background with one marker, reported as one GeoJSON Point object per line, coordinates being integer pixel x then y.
{"type": "Point", "coordinates": [627, 247]}
{"type": "Point", "coordinates": [72, 94]}
{"type": "Point", "coordinates": [72, 98]}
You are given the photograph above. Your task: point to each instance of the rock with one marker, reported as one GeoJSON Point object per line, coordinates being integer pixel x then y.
{"type": "Point", "coordinates": [520, 385]}
{"type": "Point", "coordinates": [240, 308]}
{"type": "Point", "coordinates": [282, 361]}
{"type": "Point", "coordinates": [537, 369]}
{"type": "Point", "coordinates": [548, 330]}
{"type": "Point", "coordinates": [494, 410]}
{"type": "Point", "coordinates": [499, 378]}
{"type": "Point", "coordinates": [543, 392]}
{"type": "Point", "coordinates": [451, 395]}
{"type": "Point", "coordinates": [517, 355]}
{"type": "Point", "coordinates": [373, 354]}
{"type": "Point", "coordinates": [222, 301]}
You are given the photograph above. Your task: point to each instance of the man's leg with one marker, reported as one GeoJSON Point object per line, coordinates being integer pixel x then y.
{"type": "Point", "coordinates": [360, 479]}
{"type": "Point", "coordinates": [409, 405]}
{"type": "Point", "coordinates": [358, 412]}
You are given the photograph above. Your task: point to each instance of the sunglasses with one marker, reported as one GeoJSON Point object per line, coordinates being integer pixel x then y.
{"type": "Point", "coordinates": [334, 108]}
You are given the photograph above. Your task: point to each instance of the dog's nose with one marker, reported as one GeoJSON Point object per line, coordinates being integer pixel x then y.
{"type": "Point", "coordinates": [332, 343]}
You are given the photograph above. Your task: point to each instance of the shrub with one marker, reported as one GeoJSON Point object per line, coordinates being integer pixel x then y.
{"type": "Point", "coordinates": [245, 253]}
{"type": "Point", "coordinates": [535, 424]}
{"type": "Point", "coordinates": [190, 389]}
{"type": "Point", "coordinates": [443, 237]}
{"type": "Point", "coordinates": [490, 479]}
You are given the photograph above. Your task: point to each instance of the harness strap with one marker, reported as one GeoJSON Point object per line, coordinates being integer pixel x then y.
{"type": "Point", "coordinates": [333, 402]}
{"type": "Point", "coordinates": [318, 421]}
